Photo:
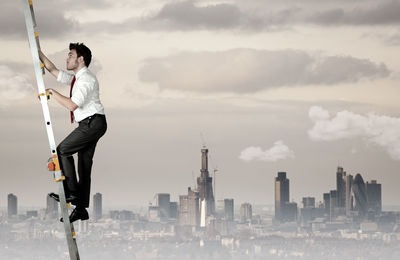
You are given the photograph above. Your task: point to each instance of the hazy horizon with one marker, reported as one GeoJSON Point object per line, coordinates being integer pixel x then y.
{"type": "Point", "coordinates": [295, 86]}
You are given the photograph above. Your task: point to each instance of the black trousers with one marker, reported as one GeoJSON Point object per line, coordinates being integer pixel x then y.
{"type": "Point", "coordinates": [83, 141]}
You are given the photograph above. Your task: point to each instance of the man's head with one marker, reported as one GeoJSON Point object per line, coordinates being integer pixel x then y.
{"type": "Point", "coordinates": [78, 56]}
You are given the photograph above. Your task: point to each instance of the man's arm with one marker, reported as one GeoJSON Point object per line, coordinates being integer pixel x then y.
{"type": "Point", "coordinates": [63, 100]}
{"type": "Point", "coordinates": [48, 64]}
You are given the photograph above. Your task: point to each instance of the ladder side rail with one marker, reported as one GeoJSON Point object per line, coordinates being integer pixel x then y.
{"type": "Point", "coordinates": [33, 42]}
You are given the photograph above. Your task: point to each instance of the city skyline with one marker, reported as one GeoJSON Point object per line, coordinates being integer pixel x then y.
{"type": "Point", "coordinates": [300, 87]}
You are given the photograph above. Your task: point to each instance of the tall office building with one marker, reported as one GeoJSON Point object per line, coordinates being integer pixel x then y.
{"type": "Point", "coordinates": [189, 213]}
{"type": "Point", "coordinates": [173, 210]}
{"type": "Point", "coordinates": [327, 203]}
{"type": "Point", "coordinates": [220, 208]}
{"type": "Point", "coordinates": [374, 196]}
{"type": "Point", "coordinates": [340, 188]}
{"type": "Point", "coordinates": [246, 212]}
{"type": "Point", "coordinates": [97, 206]}
{"type": "Point", "coordinates": [359, 195]}
{"type": "Point", "coordinates": [163, 204]}
{"type": "Point", "coordinates": [332, 204]}
{"type": "Point", "coordinates": [51, 208]}
{"type": "Point", "coordinates": [204, 184]}
{"type": "Point", "coordinates": [348, 200]}
{"type": "Point", "coordinates": [12, 205]}
{"type": "Point", "coordinates": [229, 209]}
{"type": "Point", "coordinates": [281, 195]}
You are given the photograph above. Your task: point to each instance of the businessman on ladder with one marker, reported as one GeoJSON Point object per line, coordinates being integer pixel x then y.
{"type": "Point", "coordinates": [85, 109]}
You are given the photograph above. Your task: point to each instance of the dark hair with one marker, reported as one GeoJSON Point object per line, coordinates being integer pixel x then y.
{"type": "Point", "coordinates": [82, 50]}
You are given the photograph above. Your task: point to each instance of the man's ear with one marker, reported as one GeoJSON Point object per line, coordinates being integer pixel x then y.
{"type": "Point", "coordinates": [80, 59]}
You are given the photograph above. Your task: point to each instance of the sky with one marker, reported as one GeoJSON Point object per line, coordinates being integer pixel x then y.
{"type": "Point", "coordinates": [267, 85]}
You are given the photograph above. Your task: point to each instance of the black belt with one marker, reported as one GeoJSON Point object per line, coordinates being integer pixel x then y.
{"type": "Point", "coordinates": [92, 116]}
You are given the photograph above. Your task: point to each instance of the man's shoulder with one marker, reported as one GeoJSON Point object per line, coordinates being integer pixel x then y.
{"type": "Point", "coordinates": [87, 75]}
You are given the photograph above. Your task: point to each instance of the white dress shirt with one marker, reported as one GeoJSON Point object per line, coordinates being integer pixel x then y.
{"type": "Point", "coordinates": [85, 93]}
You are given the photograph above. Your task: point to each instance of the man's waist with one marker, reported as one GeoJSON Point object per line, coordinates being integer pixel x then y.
{"type": "Point", "coordinates": [91, 117]}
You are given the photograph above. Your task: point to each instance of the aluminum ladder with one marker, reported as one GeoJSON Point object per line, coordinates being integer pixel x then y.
{"type": "Point", "coordinates": [33, 36]}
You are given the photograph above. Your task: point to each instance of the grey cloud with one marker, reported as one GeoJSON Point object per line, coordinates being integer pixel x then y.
{"type": "Point", "coordinates": [185, 15]}
{"type": "Point", "coordinates": [255, 70]}
{"type": "Point", "coordinates": [50, 16]}
{"type": "Point", "coordinates": [51, 22]}
{"type": "Point", "coordinates": [386, 12]}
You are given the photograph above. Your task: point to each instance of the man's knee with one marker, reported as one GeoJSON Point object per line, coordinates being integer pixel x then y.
{"type": "Point", "coordinates": [62, 149]}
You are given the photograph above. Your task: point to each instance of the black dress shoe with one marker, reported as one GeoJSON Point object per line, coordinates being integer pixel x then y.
{"type": "Point", "coordinates": [76, 214]}
{"type": "Point", "coordinates": [56, 197]}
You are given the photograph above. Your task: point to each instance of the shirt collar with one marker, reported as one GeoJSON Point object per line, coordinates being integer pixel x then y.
{"type": "Point", "coordinates": [80, 72]}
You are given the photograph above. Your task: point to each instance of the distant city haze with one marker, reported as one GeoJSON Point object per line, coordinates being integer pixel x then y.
{"type": "Point", "coordinates": [267, 86]}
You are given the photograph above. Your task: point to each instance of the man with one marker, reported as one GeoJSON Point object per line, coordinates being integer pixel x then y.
{"type": "Point", "coordinates": [87, 110]}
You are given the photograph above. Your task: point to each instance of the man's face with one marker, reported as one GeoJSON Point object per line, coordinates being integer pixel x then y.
{"type": "Point", "coordinates": [72, 60]}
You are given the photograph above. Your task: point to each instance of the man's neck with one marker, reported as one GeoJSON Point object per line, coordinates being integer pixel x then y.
{"type": "Point", "coordinates": [78, 68]}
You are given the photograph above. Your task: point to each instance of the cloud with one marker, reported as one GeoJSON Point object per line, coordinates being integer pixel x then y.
{"type": "Point", "coordinates": [13, 86]}
{"type": "Point", "coordinates": [255, 70]}
{"type": "Point", "coordinates": [383, 131]}
{"type": "Point", "coordinates": [51, 17]}
{"type": "Point", "coordinates": [383, 13]}
{"type": "Point", "coordinates": [278, 151]}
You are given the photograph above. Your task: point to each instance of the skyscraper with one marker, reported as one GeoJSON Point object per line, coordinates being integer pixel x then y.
{"type": "Point", "coordinates": [229, 209]}
{"type": "Point", "coordinates": [340, 188]}
{"type": "Point", "coordinates": [348, 200]}
{"type": "Point", "coordinates": [97, 206]}
{"type": "Point", "coordinates": [189, 213]}
{"type": "Point", "coordinates": [359, 195]}
{"type": "Point", "coordinates": [51, 208]}
{"type": "Point", "coordinates": [246, 212]}
{"type": "Point", "coordinates": [163, 204]}
{"type": "Point", "coordinates": [12, 205]}
{"type": "Point", "coordinates": [281, 195]}
{"type": "Point", "coordinates": [173, 210]}
{"type": "Point", "coordinates": [327, 203]}
{"type": "Point", "coordinates": [332, 204]}
{"type": "Point", "coordinates": [374, 196]}
{"type": "Point", "coordinates": [204, 184]}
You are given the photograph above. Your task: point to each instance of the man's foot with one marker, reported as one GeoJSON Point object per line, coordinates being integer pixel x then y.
{"type": "Point", "coordinates": [56, 197]}
{"type": "Point", "coordinates": [77, 213]}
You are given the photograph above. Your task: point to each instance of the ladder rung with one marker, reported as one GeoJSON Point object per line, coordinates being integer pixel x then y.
{"type": "Point", "coordinates": [59, 179]}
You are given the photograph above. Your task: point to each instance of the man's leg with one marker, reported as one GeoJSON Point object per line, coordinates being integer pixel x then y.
{"type": "Point", "coordinates": [85, 162]}
{"type": "Point", "coordinates": [65, 151]}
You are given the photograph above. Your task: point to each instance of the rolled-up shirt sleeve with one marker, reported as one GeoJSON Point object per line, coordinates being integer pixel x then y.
{"type": "Point", "coordinates": [64, 77]}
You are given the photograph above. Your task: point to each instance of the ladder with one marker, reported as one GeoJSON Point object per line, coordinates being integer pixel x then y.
{"type": "Point", "coordinates": [33, 36]}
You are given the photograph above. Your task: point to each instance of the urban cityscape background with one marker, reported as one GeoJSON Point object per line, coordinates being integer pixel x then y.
{"type": "Point", "coordinates": [347, 223]}
{"type": "Point", "coordinates": [308, 88]}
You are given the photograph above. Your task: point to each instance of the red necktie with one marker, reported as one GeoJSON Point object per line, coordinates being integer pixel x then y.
{"type": "Point", "coordinates": [70, 95]}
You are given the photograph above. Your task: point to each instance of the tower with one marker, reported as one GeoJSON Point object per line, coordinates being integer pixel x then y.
{"type": "Point", "coordinates": [163, 204]}
{"type": "Point", "coordinates": [51, 208]}
{"type": "Point", "coordinates": [12, 205]}
{"type": "Point", "coordinates": [348, 199]}
{"type": "Point", "coordinates": [374, 196]}
{"type": "Point", "coordinates": [340, 188]}
{"type": "Point", "coordinates": [246, 212]}
{"type": "Point", "coordinates": [281, 195]}
{"type": "Point", "coordinates": [360, 195]}
{"type": "Point", "coordinates": [97, 206]}
{"type": "Point", "coordinates": [189, 214]}
{"type": "Point", "coordinates": [204, 184]}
